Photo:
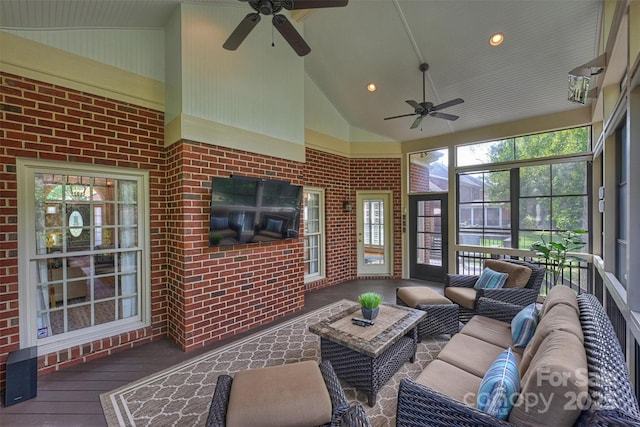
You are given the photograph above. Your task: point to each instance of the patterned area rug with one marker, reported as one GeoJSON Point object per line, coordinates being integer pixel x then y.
{"type": "Point", "coordinates": [181, 395]}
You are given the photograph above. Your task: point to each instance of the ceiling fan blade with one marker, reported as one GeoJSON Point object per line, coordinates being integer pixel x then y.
{"type": "Point", "coordinates": [313, 4]}
{"type": "Point", "coordinates": [291, 35]}
{"type": "Point", "coordinates": [448, 104]}
{"type": "Point", "coordinates": [444, 116]}
{"type": "Point", "coordinates": [242, 31]}
{"type": "Point", "coordinates": [414, 104]}
{"type": "Point", "coordinates": [401, 115]}
{"type": "Point", "coordinates": [416, 122]}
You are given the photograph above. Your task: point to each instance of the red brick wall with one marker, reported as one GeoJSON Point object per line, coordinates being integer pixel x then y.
{"type": "Point", "coordinates": [221, 291]}
{"type": "Point", "coordinates": [331, 172]}
{"type": "Point", "coordinates": [341, 177]}
{"type": "Point", "coordinates": [383, 174]}
{"type": "Point", "coordinates": [198, 294]}
{"type": "Point", "coordinates": [39, 120]}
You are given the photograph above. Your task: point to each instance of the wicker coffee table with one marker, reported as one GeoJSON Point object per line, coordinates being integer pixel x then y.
{"type": "Point", "coordinates": [366, 357]}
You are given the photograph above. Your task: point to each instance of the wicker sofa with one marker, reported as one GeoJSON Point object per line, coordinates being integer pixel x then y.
{"type": "Point", "coordinates": [572, 372]}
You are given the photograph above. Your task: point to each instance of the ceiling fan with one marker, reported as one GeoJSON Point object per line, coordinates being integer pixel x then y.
{"type": "Point", "coordinates": [424, 108]}
{"type": "Point", "coordinates": [280, 22]}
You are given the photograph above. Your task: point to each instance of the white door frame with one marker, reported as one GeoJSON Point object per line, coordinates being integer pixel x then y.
{"type": "Point", "coordinates": [385, 265]}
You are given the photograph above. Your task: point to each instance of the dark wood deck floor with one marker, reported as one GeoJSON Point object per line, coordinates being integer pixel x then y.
{"type": "Point", "coordinates": [72, 397]}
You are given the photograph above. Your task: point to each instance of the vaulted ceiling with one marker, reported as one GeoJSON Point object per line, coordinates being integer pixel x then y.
{"type": "Point", "coordinates": [385, 41]}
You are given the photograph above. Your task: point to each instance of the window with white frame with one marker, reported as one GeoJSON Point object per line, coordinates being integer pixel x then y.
{"type": "Point", "coordinates": [374, 223]}
{"type": "Point", "coordinates": [85, 263]}
{"type": "Point", "coordinates": [313, 222]}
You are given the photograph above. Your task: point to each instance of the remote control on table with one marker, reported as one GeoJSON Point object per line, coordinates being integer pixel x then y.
{"type": "Point", "coordinates": [361, 322]}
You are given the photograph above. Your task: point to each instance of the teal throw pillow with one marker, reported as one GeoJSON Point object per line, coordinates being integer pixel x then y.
{"type": "Point", "coordinates": [219, 223]}
{"type": "Point", "coordinates": [524, 325]}
{"type": "Point", "coordinates": [490, 279]}
{"type": "Point", "coordinates": [500, 386]}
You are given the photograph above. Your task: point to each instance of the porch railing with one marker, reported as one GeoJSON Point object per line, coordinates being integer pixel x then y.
{"type": "Point", "coordinates": [577, 276]}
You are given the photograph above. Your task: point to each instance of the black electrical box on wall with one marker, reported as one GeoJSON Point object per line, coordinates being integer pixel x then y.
{"type": "Point", "coordinates": [22, 376]}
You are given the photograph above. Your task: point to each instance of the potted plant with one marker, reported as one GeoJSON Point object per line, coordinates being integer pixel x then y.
{"type": "Point", "coordinates": [556, 253]}
{"type": "Point", "coordinates": [214, 238]}
{"type": "Point", "coordinates": [370, 304]}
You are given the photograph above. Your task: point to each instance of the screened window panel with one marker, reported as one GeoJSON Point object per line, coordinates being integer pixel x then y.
{"type": "Point", "coordinates": [549, 197]}
{"type": "Point", "coordinates": [569, 178]}
{"type": "Point", "coordinates": [535, 181]}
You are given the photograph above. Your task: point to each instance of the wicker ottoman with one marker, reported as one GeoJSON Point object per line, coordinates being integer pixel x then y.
{"type": "Point", "coordinates": [442, 314]}
{"type": "Point", "coordinates": [293, 394]}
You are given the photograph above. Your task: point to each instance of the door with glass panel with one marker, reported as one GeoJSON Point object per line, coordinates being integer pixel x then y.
{"type": "Point", "coordinates": [374, 233]}
{"type": "Point", "coordinates": [428, 237]}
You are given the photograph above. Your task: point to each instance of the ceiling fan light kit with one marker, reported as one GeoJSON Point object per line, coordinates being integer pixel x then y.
{"type": "Point", "coordinates": [425, 108]}
{"type": "Point", "coordinates": [280, 22]}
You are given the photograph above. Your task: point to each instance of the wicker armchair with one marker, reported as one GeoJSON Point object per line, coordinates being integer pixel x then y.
{"type": "Point", "coordinates": [519, 297]}
{"type": "Point", "coordinates": [344, 415]}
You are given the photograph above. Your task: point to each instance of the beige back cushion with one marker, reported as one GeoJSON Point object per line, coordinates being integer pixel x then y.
{"type": "Point", "coordinates": [518, 274]}
{"type": "Point", "coordinates": [291, 395]}
{"type": "Point", "coordinates": [561, 317]}
{"type": "Point", "coordinates": [560, 295]}
{"type": "Point", "coordinates": [557, 380]}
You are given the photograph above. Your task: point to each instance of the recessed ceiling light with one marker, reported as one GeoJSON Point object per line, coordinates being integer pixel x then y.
{"type": "Point", "coordinates": [496, 39]}
{"type": "Point", "coordinates": [371, 87]}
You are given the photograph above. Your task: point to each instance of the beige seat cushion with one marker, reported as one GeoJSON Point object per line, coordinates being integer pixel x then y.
{"type": "Point", "coordinates": [412, 296]}
{"type": "Point", "coordinates": [465, 297]}
{"type": "Point", "coordinates": [561, 317]}
{"type": "Point", "coordinates": [560, 295]}
{"type": "Point", "coordinates": [491, 331]}
{"type": "Point", "coordinates": [438, 375]}
{"type": "Point", "coordinates": [292, 395]}
{"type": "Point", "coordinates": [556, 377]}
{"type": "Point", "coordinates": [519, 275]}
{"type": "Point", "coordinates": [471, 354]}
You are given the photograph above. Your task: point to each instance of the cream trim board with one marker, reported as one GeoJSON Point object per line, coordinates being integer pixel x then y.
{"type": "Point", "coordinates": [38, 61]}
{"type": "Point", "coordinates": [367, 150]}
{"type": "Point", "coordinates": [546, 123]}
{"type": "Point", "coordinates": [371, 150]}
{"type": "Point", "coordinates": [326, 143]}
{"type": "Point", "coordinates": [210, 132]}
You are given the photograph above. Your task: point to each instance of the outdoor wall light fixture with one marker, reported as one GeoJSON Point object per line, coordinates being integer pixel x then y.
{"type": "Point", "coordinates": [347, 206]}
{"type": "Point", "coordinates": [580, 79]}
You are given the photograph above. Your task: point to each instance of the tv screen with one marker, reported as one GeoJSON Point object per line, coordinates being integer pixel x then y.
{"type": "Point", "coordinates": [253, 210]}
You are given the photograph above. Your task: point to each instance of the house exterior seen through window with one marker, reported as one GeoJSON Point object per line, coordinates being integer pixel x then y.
{"type": "Point", "coordinates": [513, 191]}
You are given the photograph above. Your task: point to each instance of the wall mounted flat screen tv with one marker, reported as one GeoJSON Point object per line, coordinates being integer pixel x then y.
{"type": "Point", "coordinates": [253, 210]}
